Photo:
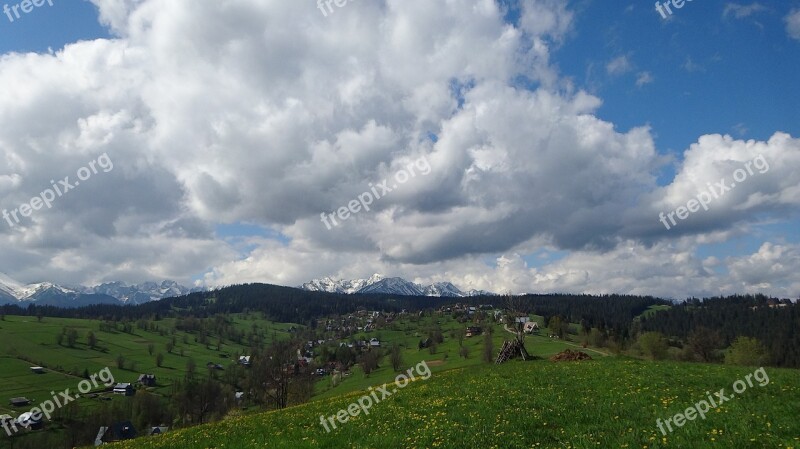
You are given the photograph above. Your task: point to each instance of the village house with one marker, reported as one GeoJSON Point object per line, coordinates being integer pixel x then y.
{"type": "Point", "coordinates": [473, 330]}
{"type": "Point", "coordinates": [31, 421]}
{"type": "Point", "coordinates": [147, 380]}
{"type": "Point", "coordinates": [125, 389]}
{"type": "Point", "coordinates": [531, 327]}
{"type": "Point", "coordinates": [120, 431]}
{"type": "Point", "coordinates": [158, 430]}
{"type": "Point", "coordinates": [37, 370]}
{"type": "Point", "coordinates": [214, 366]}
{"type": "Point", "coordinates": [20, 402]}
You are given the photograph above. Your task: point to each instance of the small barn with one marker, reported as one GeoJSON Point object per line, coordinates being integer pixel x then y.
{"type": "Point", "coordinates": [158, 430]}
{"type": "Point", "coordinates": [147, 380]}
{"type": "Point", "coordinates": [31, 421]}
{"type": "Point", "coordinates": [116, 432]}
{"type": "Point", "coordinates": [125, 389]}
{"type": "Point", "coordinates": [20, 402]}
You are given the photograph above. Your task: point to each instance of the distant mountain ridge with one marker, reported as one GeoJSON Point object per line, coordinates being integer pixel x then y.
{"type": "Point", "coordinates": [394, 286]}
{"type": "Point", "coordinates": [46, 293]}
{"type": "Point", "coordinates": [122, 293]}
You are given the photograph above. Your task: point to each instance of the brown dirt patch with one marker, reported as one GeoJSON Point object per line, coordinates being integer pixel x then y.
{"type": "Point", "coordinates": [570, 356]}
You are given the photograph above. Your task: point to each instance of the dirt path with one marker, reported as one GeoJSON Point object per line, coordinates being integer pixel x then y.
{"type": "Point", "coordinates": [587, 349]}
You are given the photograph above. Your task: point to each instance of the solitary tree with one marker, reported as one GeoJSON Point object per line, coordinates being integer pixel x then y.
{"type": "Point", "coordinates": [703, 344]}
{"type": "Point", "coordinates": [396, 357]}
{"type": "Point", "coordinates": [191, 367]}
{"type": "Point", "coordinates": [488, 348]}
{"type": "Point", "coordinates": [746, 351]}
{"type": "Point", "coordinates": [654, 345]}
{"type": "Point", "coordinates": [91, 340]}
{"type": "Point", "coordinates": [272, 373]}
{"type": "Point", "coordinates": [369, 362]}
{"type": "Point", "coordinates": [72, 337]}
{"type": "Point", "coordinates": [557, 326]}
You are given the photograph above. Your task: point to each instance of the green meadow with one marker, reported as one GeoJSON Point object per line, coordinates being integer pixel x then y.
{"type": "Point", "coordinates": [407, 334]}
{"type": "Point", "coordinates": [28, 342]}
{"type": "Point", "coordinates": [604, 403]}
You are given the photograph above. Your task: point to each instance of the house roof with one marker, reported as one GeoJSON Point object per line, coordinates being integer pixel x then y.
{"type": "Point", "coordinates": [118, 431]}
{"type": "Point", "coordinates": [28, 418]}
{"type": "Point", "coordinates": [158, 430]}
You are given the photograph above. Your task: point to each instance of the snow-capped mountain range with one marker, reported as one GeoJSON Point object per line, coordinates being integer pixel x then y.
{"type": "Point", "coordinates": [395, 286]}
{"type": "Point", "coordinates": [46, 293]}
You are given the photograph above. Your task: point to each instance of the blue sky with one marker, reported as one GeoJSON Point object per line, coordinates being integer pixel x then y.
{"type": "Point", "coordinates": [708, 76]}
{"type": "Point", "coordinates": [712, 73]}
{"type": "Point", "coordinates": [234, 125]}
{"type": "Point", "coordinates": [50, 27]}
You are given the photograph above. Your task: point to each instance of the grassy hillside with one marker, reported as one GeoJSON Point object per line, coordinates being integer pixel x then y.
{"type": "Point", "coordinates": [604, 403]}
{"type": "Point", "coordinates": [407, 334]}
{"type": "Point", "coordinates": [28, 342]}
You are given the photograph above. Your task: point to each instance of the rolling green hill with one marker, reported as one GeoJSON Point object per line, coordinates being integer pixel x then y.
{"type": "Point", "coordinates": [28, 342]}
{"type": "Point", "coordinates": [605, 403]}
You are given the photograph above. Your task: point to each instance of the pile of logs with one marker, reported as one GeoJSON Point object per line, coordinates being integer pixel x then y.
{"type": "Point", "coordinates": [512, 349]}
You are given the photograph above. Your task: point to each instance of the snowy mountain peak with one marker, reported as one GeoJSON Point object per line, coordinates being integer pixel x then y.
{"type": "Point", "coordinates": [9, 288]}
{"type": "Point", "coordinates": [14, 292]}
{"type": "Point", "coordinates": [443, 289]}
{"type": "Point", "coordinates": [395, 286]}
